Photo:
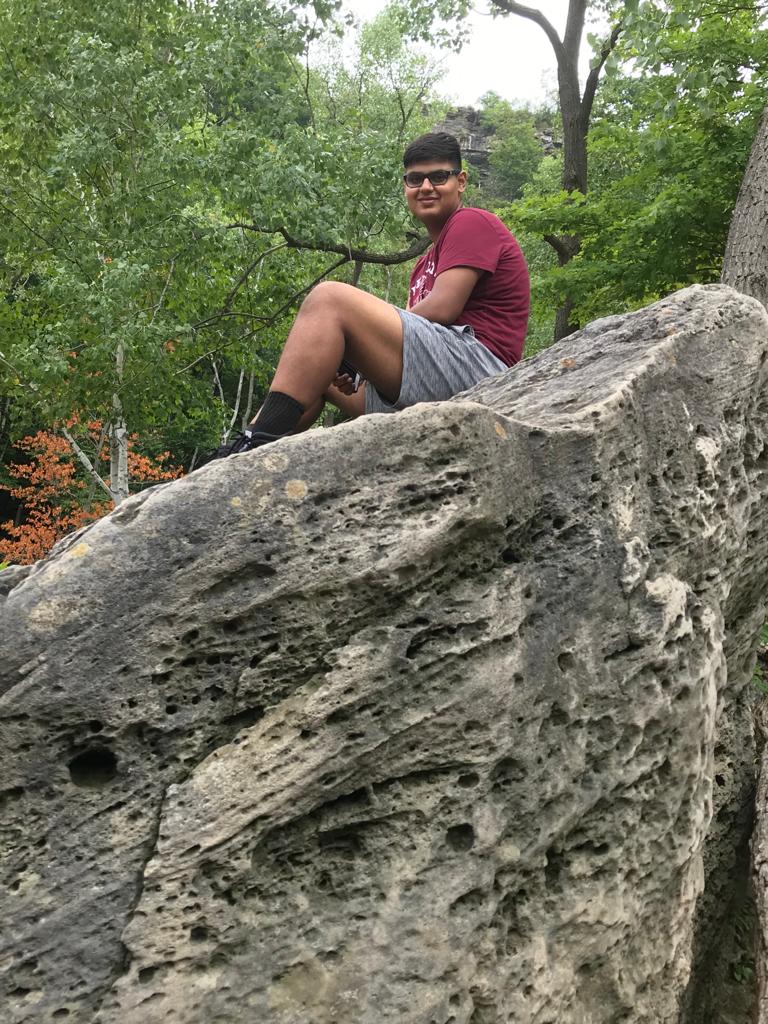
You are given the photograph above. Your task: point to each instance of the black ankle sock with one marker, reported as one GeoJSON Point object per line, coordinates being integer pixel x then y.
{"type": "Point", "coordinates": [279, 414]}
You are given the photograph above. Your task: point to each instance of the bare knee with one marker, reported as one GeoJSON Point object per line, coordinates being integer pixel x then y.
{"type": "Point", "coordinates": [328, 296]}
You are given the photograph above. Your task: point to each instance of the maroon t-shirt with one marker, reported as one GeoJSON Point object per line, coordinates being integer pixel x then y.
{"type": "Point", "coordinates": [497, 308]}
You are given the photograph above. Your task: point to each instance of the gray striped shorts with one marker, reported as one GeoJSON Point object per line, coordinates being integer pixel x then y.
{"type": "Point", "coordinates": [438, 363]}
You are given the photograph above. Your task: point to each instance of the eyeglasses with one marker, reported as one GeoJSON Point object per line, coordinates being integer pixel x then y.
{"type": "Point", "coordinates": [414, 179]}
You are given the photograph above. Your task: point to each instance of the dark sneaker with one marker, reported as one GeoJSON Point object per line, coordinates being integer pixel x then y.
{"type": "Point", "coordinates": [242, 442]}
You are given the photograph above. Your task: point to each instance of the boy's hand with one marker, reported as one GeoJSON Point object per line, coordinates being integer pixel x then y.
{"type": "Point", "coordinates": [345, 384]}
{"type": "Point", "coordinates": [347, 379]}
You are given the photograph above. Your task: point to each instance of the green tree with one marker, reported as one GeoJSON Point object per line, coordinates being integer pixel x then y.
{"type": "Point", "coordinates": [119, 118]}
{"type": "Point", "coordinates": [667, 147]}
{"type": "Point", "coordinates": [176, 177]}
{"type": "Point", "coordinates": [516, 149]}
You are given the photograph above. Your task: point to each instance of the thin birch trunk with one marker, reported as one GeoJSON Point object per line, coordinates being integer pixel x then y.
{"type": "Point", "coordinates": [237, 402]}
{"type": "Point", "coordinates": [249, 404]}
{"type": "Point", "coordinates": [118, 442]}
{"type": "Point", "coordinates": [86, 463]}
{"type": "Point", "coordinates": [119, 483]}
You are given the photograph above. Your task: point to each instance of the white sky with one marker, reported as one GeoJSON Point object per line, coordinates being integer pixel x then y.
{"type": "Point", "coordinates": [511, 56]}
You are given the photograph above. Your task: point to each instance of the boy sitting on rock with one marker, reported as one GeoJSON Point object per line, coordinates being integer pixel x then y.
{"type": "Point", "coordinates": [466, 318]}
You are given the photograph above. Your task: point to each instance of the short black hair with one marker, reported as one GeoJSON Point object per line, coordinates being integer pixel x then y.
{"type": "Point", "coordinates": [433, 146]}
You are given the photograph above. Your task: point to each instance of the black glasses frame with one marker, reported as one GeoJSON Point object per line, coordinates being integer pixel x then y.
{"type": "Point", "coordinates": [440, 172]}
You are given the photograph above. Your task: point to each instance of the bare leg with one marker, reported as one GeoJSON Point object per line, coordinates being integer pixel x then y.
{"type": "Point", "coordinates": [309, 417]}
{"type": "Point", "coordinates": [337, 321]}
{"type": "Point", "coordinates": [352, 405]}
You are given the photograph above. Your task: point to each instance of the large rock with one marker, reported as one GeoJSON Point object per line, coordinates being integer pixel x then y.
{"type": "Point", "coordinates": [760, 871]}
{"type": "Point", "coordinates": [421, 719]}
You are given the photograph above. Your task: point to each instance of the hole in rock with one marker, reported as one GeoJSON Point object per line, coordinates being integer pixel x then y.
{"type": "Point", "coordinates": [344, 842]}
{"type": "Point", "coordinates": [460, 837]}
{"type": "Point", "coordinates": [508, 771]}
{"type": "Point", "coordinates": [565, 661]}
{"type": "Point", "coordinates": [469, 780]}
{"type": "Point", "coordinates": [10, 795]}
{"type": "Point", "coordinates": [558, 715]}
{"type": "Point", "coordinates": [93, 767]}
{"type": "Point", "coordinates": [471, 900]}
{"type": "Point", "coordinates": [510, 556]}
{"type": "Point", "coordinates": [246, 718]}
{"type": "Point", "coordinates": [339, 715]}
{"type": "Point", "coordinates": [554, 867]}
{"type": "Point", "coordinates": [199, 933]}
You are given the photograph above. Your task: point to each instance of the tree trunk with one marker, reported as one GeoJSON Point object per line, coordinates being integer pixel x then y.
{"type": "Point", "coordinates": [574, 128]}
{"type": "Point", "coordinates": [576, 111]}
{"type": "Point", "coordinates": [118, 438]}
{"type": "Point", "coordinates": [118, 461]}
{"type": "Point", "coordinates": [745, 265]}
{"type": "Point", "coordinates": [574, 176]}
{"type": "Point", "coordinates": [563, 324]}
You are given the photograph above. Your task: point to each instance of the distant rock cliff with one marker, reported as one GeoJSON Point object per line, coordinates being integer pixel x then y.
{"type": "Point", "coordinates": [476, 139]}
{"type": "Point", "coordinates": [466, 124]}
{"type": "Point", "coordinates": [433, 717]}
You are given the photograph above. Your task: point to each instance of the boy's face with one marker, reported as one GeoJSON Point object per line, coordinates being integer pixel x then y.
{"type": "Point", "coordinates": [429, 202]}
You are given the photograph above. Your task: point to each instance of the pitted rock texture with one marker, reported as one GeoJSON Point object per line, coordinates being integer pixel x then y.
{"type": "Point", "coordinates": [760, 880]}
{"type": "Point", "coordinates": [433, 718]}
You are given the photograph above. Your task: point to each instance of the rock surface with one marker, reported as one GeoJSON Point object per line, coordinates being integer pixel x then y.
{"type": "Point", "coordinates": [760, 869]}
{"type": "Point", "coordinates": [430, 718]}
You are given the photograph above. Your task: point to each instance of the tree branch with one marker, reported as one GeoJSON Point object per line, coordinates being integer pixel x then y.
{"type": "Point", "coordinates": [247, 273]}
{"type": "Point", "coordinates": [574, 27]}
{"type": "Point", "coordinates": [160, 301]}
{"type": "Point", "coordinates": [532, 14]}
{"type": "Point", "coordinates": [590, 88]}
{"type": "Point", "coordinates": [270, 320]}
{"type": "Point", "coordinates": [86, 463]}
{"type": "Point", "coordinates": [563, 252]}
{"type": "Point", "coordinates": [237, 403]}
{"type": "Point", "coordinates": [362, 255]}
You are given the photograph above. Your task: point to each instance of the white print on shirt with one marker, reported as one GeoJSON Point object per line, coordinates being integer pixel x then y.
{"type": "Point", "coordinates": [422, 286]}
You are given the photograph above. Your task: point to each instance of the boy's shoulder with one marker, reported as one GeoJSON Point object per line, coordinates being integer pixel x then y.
{"type": "Point", "coordinates": [474, 216]}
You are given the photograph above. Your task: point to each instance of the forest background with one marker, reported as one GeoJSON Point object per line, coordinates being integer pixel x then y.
{"type": "Point", "coordinates": [177, 174]}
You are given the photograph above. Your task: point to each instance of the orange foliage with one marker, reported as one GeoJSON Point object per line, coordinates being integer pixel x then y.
{"type": "Point", "coordinates": [51, 489]}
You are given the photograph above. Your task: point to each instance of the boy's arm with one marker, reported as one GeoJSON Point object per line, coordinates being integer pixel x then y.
{"type": "Point", "coordinates": [449, 295]}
